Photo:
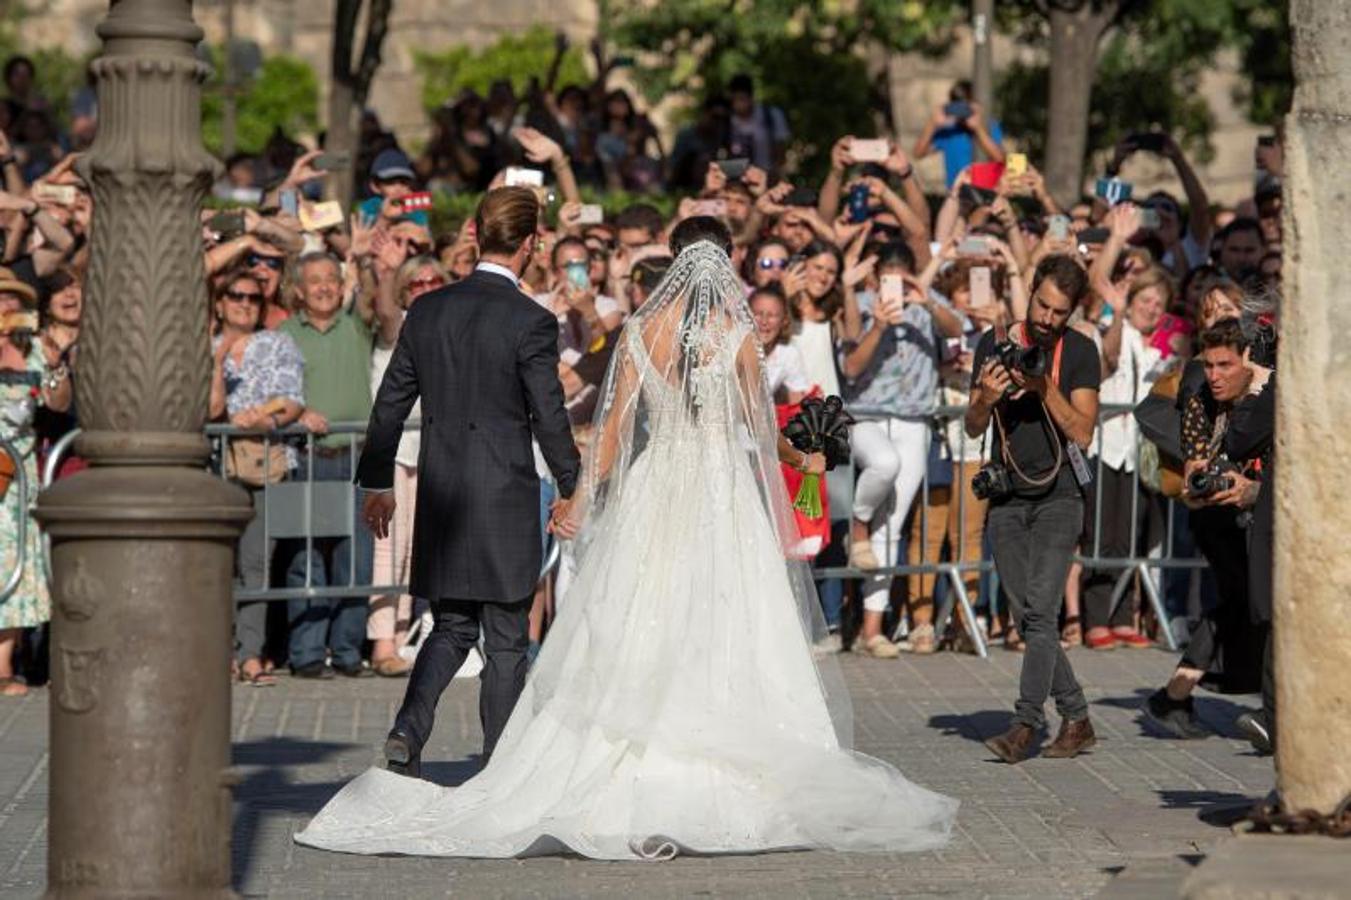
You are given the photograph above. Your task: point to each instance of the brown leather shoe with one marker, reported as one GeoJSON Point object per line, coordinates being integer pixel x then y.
{"type": "Point", "coordinates": [1014, 745]}
{"type": "Point", "coordinates": [1074, 738]}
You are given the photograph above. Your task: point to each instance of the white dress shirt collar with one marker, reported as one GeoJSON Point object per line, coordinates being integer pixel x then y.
{"type": "Point", "coordinates": [495, 269]}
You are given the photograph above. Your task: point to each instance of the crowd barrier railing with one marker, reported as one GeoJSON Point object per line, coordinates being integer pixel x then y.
{"type": "Point", "coordinates": [18, 491]}
{"type": "Point", "coordinates": [312, 513]}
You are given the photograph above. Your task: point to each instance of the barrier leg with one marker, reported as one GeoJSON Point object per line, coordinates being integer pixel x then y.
{"type": "Point", "coordinates": [968, 612]}
{"type": "Point", "coordinates": [1156, 601]}
{"type": "Point", "coordinates": [1119, 590]}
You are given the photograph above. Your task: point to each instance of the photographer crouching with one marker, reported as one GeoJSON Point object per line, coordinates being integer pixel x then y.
{"type": "Point", "coordinates": [1039, 385]}
{"type": "Point", "coordinates": [1228, 650]}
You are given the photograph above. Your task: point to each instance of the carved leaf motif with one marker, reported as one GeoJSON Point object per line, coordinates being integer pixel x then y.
{"type": "Point", "coordinates": [146, 319]}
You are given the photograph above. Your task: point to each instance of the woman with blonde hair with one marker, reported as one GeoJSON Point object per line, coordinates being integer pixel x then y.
{"type": "Point", "coordinates": [391, 615]}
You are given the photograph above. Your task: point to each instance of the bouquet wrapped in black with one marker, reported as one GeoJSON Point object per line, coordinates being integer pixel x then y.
{"type": "Point", "coordinates": [821, 426]}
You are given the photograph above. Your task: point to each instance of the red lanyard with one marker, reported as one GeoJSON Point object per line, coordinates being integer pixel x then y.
{"type": "Point", "coordinates": [1059, 350]}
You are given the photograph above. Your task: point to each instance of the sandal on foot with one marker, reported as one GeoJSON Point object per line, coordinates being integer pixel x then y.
{"type": "Point", "coordinates": [1072, 635]}
{"type": "Point", "coordinates": [922, 640]}
{"type": "Point", "coordinates": [12, 687]}
{"type": "Point", "coordinates": [258, 677]}
{"type": "Point", "coordinates": [1100, 638]}
{"type": "Point", "coordinates": [392, 667]}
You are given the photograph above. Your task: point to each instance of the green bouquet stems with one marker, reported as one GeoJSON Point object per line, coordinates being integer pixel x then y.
{"type": "Point", "coordinates": [808, 500]}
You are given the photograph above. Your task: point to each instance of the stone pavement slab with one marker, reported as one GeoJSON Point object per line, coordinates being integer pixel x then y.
{"type": "Point", "coordinates": [1044, 829]}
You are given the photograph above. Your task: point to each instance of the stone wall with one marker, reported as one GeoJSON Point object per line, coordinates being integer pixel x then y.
{"type": "Point", "coordinates": [918, 83]}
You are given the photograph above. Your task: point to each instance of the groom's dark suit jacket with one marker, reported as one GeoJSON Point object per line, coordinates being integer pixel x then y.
{"type": "Point", "coordinates": [484, 359]}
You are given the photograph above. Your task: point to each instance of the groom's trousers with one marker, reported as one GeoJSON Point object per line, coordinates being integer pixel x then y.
{"type": "Point", "coordinates": [505, 628]}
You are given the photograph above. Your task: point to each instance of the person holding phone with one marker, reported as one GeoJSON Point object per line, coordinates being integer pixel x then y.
{"type": "Point", "coordinates": [1186, 243]}
{"type": "Point", "coordinates": [257, 383]}
{"type": "Point", "coordinates": [956, 129]}
{"type": "Point", "coordinates": [891, 365]}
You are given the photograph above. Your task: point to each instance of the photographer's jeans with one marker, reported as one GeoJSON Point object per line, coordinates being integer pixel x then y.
{"type": "Point", "coordinates": [338, 624]}
{"type": "Point", "coordinates": [1033, 545]}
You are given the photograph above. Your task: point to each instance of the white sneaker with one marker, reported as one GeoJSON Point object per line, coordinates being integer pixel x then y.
{"type": "Point", "coordinates": [828, 645]}
{"type": "Point", "coordinates": [878, 647]}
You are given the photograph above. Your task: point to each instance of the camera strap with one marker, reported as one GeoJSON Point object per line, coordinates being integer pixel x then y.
{"type": "Point", "coordinates": [1025, 341]}
{"type": "Point", "coordinates": [1009, 461]}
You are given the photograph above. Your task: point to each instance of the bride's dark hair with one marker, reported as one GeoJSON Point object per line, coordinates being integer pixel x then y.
{"type": "Point", "coordinates": [700, 228]}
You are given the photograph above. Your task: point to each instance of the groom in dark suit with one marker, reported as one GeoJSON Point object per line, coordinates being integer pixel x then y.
{"type": "Point", "coordinates": [484, 359]}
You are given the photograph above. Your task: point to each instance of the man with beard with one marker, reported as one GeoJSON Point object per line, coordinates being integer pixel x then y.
{"type": "Point", "coordinates": [1043, 418]}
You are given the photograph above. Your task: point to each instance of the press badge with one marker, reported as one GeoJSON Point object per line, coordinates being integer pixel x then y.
{"type": "Point", "coordinates": [1079, 465]}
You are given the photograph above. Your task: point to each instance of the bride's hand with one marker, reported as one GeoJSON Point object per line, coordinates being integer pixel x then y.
{"type": "Point", "coordinates": [815, 464]}
{"type": "Point", "coordinates": [561, 521]}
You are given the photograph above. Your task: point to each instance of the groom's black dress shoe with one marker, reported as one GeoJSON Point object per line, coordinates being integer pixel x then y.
{"type": "Point", "coordinates": [399, 756]}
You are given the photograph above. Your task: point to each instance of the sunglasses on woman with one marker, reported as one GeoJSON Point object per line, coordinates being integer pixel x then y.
{"type": "Point", "coordinates": [245, 297]}
{"type": "Point", "coordinates": [426, 284]}
{"type": "Point", "coordinates": [768, 263]}
{"type": "Point", "coordinates": [272, 262]}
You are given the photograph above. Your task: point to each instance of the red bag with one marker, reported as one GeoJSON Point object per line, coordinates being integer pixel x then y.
{"type": "Point", "coordinates": [813, 534]}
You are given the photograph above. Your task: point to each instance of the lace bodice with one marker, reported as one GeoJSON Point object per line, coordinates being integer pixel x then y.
{"type": "Point", "coordinates": [713, 396]}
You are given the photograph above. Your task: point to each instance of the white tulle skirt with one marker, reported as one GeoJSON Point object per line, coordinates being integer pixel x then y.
{"type": "Point", "coordinates": [675, 708]}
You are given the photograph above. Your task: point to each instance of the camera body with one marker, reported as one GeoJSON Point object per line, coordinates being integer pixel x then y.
{"type": "Point", "coordinates": [992, 482]}
{"type": "Point", "coordinates": [1211, 480]}
{"type": "Point", "coordinates": [1262, 345]}
{"type": "Point", "coordinates": [1030, 361]}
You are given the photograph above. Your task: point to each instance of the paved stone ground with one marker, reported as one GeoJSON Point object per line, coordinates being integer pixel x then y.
{"type": "Point", "coordinates": [1045, 829]}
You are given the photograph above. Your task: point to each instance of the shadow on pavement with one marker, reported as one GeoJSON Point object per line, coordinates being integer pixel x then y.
{"type": "Point", "coordinates": [1219, 809]}
{"type": "Point", "coordinates": [1216, 712]}
{"type": "Point", "coordinates": [268, 790]}
{"type": "Point", "coordinates": [452, 774]}
{"type": "Point", "coordinates": [975, 726]}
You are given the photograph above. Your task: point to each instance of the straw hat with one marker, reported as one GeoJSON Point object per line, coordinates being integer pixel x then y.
{"type": "Point", "coordinates": [11, 284]}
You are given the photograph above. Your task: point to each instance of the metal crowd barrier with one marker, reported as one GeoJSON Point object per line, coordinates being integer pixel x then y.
{"type": "Point", "coordinates": [309, 511]}
{"type": "Point", "coordinates": [19, 488]}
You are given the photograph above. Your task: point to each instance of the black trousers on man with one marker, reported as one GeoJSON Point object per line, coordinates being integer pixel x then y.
{"type": "Point", "coordinates": [1033, 543]}
{"type": "Point", "coordinates": [505, 628]}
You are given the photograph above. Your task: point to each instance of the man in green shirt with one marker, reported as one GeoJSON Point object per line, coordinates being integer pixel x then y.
{"type": "Point", "coordinates": [336, 345]}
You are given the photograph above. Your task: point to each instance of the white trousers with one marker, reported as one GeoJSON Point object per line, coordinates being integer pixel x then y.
{"type": "Point", "coordinates": [891, 457]}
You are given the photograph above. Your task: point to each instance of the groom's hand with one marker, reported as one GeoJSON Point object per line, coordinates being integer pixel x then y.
{"type": "Point", "coordinates": [377, 509]}
{"type": "Point", "coordinates": [561, 522]}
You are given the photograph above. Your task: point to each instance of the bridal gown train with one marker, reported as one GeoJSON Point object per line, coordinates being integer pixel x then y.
{"type": "Point", "coordinates": [675, 707]}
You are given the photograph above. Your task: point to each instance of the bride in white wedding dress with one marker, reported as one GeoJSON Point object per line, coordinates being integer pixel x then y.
{"type": "Point", "coordinates": [676, 706]}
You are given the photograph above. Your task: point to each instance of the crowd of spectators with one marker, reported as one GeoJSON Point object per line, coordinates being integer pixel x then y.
{"type": "Point", "coordinates": [872, 285]}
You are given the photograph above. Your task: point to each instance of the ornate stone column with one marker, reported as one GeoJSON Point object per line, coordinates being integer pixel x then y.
{"type": "Point", "coordinates": [1313, 511]}
{"type": "Point", "coordinates": [143, 542]}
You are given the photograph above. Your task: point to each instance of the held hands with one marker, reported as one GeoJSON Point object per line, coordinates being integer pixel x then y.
{"type": "Point", "coordinates": [377, 509]}
{"type": "Point", "coordinates": [561, 520]}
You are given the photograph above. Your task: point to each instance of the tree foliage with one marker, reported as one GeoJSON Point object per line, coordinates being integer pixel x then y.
{"type": "Point", "coordinates": [58, 75]}
{"type": "Point", "coordinates": [809, 57]}
{"type": "Point", "coordinates": [514, 57]}
{"type": "Point", "coordinates": [283, 93]}
{"type": "Point", "coordinates": [1150, 68]}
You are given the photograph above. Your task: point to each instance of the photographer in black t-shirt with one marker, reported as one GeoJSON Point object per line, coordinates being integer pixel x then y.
{"type": "Point", "coordinates": [1038, 384]}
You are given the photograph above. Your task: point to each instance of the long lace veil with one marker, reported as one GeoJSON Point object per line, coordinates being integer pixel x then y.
{"type": "Point", "coordinates": [688, 367]}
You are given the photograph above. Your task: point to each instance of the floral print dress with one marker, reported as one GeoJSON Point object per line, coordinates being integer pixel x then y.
{"type": "Point", "coordinates": [20, 396]}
